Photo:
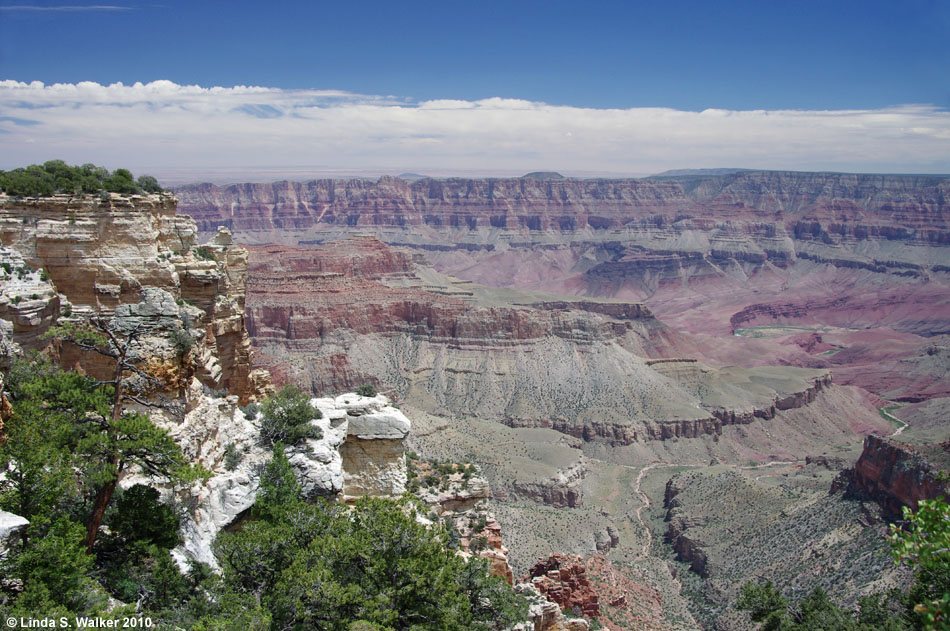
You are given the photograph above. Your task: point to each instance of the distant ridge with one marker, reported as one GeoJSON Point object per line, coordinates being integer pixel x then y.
{"type": "Point", "coordinates": [679, 172]}
{"type": "Point", "coordinates": [544, 175]}
{"type": "Point", "coordinates": [411, 176]}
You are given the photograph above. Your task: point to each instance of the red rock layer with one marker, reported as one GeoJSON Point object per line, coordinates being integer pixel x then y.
{"type": "Point", "coordinates": [299, 293]}
{"type": "Point", "coordinates": [896, 475]}
{"type": "Point", "coordinates": [810, 205]}
{"type": "Point", "coordinates": [563, 580]}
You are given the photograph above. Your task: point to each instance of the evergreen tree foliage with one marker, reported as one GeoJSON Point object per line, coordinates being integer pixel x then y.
{"type": "Point", "coordinates": [286, 417]}
{"type": "Point", "coordinates": [321, 566]}
{"type": "Point", "coordinates": [62, 445]}
{"type": "Point", "coordinates": [114, 439]}
{"type": "Point", "coordinates": [139, 518]}
{"type": "Point", "coordinates": [55, 176]}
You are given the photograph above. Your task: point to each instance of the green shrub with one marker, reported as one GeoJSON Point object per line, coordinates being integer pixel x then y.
{"type": "Point", "coordinates": [286, 417]}
{"type": "Point", "coordinates": [232, 456]}
{"type": "Point", "coordinates": [366, 390]}
{"type": "Point", "coordinates": [182, 341]}
{"type": "Point", "coordinates": [55, 176]}
{"type": "Point", "coordinates": [141, 518]}
{"type": "Point", "coordinates": [203, 252]}
{"type": "Point", "coordinates": [317, 566]}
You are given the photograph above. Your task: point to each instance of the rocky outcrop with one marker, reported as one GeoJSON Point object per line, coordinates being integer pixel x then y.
{"type": "Point", "coordinates": [607, 539]}
{"type": "Point", "coordinates": [100, 253]}
{"type": "Point", "coordinates": [29, 303]}
{"type": "Point", "coordinates": [617, 434]}
{"type": "Point", "coordinates": [687, 548]}
{"type": "Point", "coordinates": [896, 475]}
{"type": "Point", "coordinates": [458, 495]}
{"type": "Point", "coordinates": [563, 580]}
{"type": "Point", "coordinates": [10, 528]}
{"type": "Point", "coordinates": [561, 491]}
{"type": "Point", "coordinates": [374, 453]}
{"type": "Point", "coordinates": [544, 615]}
{"type": "Point", "coordinates": [217, 434]}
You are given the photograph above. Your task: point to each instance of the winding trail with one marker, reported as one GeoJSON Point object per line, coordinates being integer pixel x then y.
{"type": "Point", "coordinates": [646, 502]}
{"type": "Point", "coordinates": [890, 417]}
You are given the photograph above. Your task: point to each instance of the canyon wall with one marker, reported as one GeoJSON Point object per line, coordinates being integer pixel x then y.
{"type": "Point", "coordinates": [771, 206]}
{"type": "Point", "coordinates": [897, 475]}
{"type": "Point", "coordinates": [708, 253]}
{"type": "Point", "coordinates": [332, 317]}
{"type": "Point", "coordinates": [101, 253]}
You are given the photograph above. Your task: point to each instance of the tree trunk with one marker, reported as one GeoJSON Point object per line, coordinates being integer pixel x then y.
{"type": "Point", "coordinates": [103, 497]}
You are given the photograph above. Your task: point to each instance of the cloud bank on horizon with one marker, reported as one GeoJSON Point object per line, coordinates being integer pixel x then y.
{"type": "Point", "coordinates": [164, 124]}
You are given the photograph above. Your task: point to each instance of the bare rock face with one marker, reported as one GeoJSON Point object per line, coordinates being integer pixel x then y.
{"type": "Point", "coordinates": [102, 254]}
{"type": "Point", "coordinates": [217, 434]}
{"type": "Point", "coordinates": [545, 615]}
{"type": "Point", "coordinates": [896, 475]}
{"type": "Point", "coordinates": [564, 580]}
{"type": "Point", "coordinates": [10, 527]}
{"type": "Point", "coordinates": [374, 453]}
{"type": "Point", "coordinates": [28, 302]}
{"type": "Point", "coordinates": [335, 316]}
{"type": "Point", "coordinates": [561, 491]}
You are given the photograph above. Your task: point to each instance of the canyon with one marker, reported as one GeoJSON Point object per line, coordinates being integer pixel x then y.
{"type": "Point", "coordinates": [583, 338]}
{"type": "Point", "coordinates": [841, 254]}
{"type": "Point", "coordinates": [134, 264]}
{"type": "Point", "coordinates": [610, 354]}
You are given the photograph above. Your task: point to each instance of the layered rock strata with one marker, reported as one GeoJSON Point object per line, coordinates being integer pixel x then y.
{"type": "Point", "coordinates": [29, 304]}
{"type": "Point", "coordinates": [897, 475]}
{"type": "Point", "coordinates": [374, 453]}
{"type": "Point", "coordinates": [733, 237]}
{"type": "Point", "coordinates": [819, 207]}
{"type": "Point", "coordinates": [336, 316]}
{"type": "Point", "coordinates": [102, 253]}
{"type": "Point", "coordinates": [564, 580]}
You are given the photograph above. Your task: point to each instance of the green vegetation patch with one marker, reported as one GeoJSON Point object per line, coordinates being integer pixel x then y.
{"type": "Point", "coordinates": [55, 176]}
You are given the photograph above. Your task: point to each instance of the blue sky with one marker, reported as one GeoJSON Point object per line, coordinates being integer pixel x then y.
{"type": "Point", "coordinates": [575, 61]}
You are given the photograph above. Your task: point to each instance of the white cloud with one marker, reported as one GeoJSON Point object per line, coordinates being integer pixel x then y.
{"type": "Point", "coordinates": [192, 127]}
